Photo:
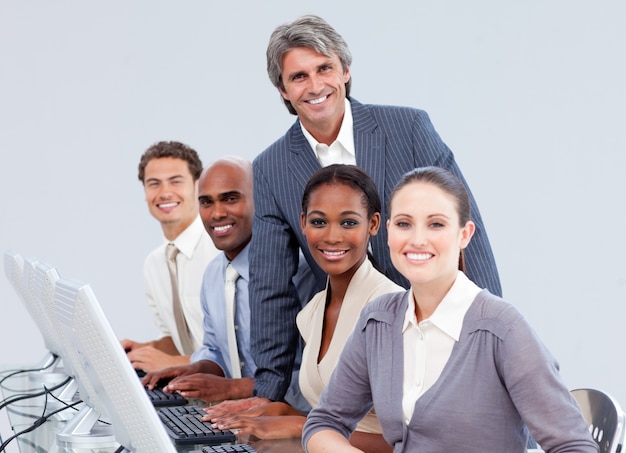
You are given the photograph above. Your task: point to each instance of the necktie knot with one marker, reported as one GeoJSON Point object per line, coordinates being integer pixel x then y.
{"type": "Point", "coordinates": [231, 274]}
{"type": "Point", "coordinates": [171, 251]}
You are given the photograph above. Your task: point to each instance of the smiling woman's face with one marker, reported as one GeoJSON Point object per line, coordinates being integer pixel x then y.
{"type": "Point", "coordinates": [337, 228]}
{"type": "Point", "coordinates": [424, 235]}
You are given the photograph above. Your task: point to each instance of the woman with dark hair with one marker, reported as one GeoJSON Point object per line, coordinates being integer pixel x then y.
{"type": "Point", "coordinates": [446, 365]}
{"type": "Point", "coordinates": [340, 213]}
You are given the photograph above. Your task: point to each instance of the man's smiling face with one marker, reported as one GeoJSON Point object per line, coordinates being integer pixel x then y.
{"type": "Point", "coordinates": [171, 194]}
{"type": "Point", "coordinates": [316, 87]}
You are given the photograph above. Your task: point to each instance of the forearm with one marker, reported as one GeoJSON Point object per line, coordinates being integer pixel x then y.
{"type": "Point", "coordinates": [241, 388]}
{"type": "Point", "coordinates": [208, 367]}
{"type": "Point", "coordinates": [370, 442]}
{"type": "Point", "coordinates": [328, 441]}
{"type": "Point", "coordinates": [165, 344]}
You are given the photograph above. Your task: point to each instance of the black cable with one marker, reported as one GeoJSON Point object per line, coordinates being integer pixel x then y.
{"type": "Point", "coordinates": [16, 398]}
{"type": "Point", "coordinates": [14, 372]}
{"type": "Point", "coordinates": [40, 421]}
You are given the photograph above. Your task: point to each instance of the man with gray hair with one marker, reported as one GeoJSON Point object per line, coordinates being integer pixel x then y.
{"type": "Point", "coordinates": [309, 63]}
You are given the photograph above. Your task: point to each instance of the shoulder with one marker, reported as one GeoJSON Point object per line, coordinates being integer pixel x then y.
{"type": "Point", "coordinates": [369, 283]}
{"type": "Point", "coordinates": [216, 267]}
{"type": "Point", "coordinates": [490, 312]}
{"type": "Point", "coordinates": [304, 318]}
{"type": "Point", "coordinates": [384, 309]}
{"type": "Point", "coordinates": [277, 150]}
{"type": "Point", "coordinates": [389, 113]}
{"type": "Point", "coordinates": [156, 256]}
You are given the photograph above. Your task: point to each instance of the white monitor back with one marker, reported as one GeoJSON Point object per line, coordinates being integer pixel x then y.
{"type": "Point", "coordinates": [20, 272]}
{"type": "Point", "coordinates": [114, 389]}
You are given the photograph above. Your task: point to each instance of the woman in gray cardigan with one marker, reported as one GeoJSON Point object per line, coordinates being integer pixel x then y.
{"type": "Point", "coordinates": [447, 366]}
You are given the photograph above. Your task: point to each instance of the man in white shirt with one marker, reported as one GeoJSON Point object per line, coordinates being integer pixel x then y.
{"type": "Point", "coordinates": [169, 172]}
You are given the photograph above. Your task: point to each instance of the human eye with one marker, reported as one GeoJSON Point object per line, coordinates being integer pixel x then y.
{"type": "Point", "coordinates": [349, 223]}
{"type": "Point", "coordinates": [231, 199]}
{"type": "Point", "coordinates": [437, 224]}
{"type": "Point", "coordinates": [317, 222]}
{"type": "Point", "coordinates": [205, 202]}
{"type": "Point", "coordinates": [402, 224]}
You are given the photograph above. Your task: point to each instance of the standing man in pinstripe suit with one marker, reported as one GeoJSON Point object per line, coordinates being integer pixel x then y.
{"type": "Point", "coordinates": [309, 63]}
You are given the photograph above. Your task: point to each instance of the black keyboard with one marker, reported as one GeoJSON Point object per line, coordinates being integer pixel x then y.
{"type": "Point", "coordinates": [239, 448]}
{"type": "Point", "coordinates": [160, 398]}
{"type": "Point", "coordinates": [183, 425]}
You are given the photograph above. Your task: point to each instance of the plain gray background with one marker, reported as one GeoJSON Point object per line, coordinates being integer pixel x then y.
{"type": "Point", "coordinates": [529, 96]}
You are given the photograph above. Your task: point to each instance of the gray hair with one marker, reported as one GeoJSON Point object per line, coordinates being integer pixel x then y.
{"type": "Point", "coordinates": [307, 31]}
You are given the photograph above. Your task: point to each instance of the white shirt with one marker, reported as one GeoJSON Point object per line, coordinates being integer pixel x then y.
{"type": "Point", "coordinates": [196, 250]}
{"type": "Point", "coordinates": [341, 151]}
{"type": "Point", "coordinates": [428, 345]}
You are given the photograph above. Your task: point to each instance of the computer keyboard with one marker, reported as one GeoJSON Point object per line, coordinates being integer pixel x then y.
{"type": "Point", "coordinates": [239, 448]}
{"type": "Point", "coordinates": [183, 425]}
{"type": "Point", "coordinates": [159, 398]}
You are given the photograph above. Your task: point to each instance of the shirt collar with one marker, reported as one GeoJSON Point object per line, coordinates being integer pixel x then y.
{"type": "Point", "coordinates": [187, 241]}
{"type": "Point", "coordinates": [240, 263]}
{"type": "Point", "coordinates": [346, 133]}
{"type": "Point", "coordinates": [449, 314]}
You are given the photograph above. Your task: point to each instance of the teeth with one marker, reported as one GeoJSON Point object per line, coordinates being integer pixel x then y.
{"type": "Point", "coordinates": [167, 205]}
{"type": "Point", "coordinates": [317, 101]}
{"type": "Point", "coordinates": [418, 256]}
{"type": "Point", "coordinates": [222, 228]}
{"type": "Point", "coordinates": [326, 252]}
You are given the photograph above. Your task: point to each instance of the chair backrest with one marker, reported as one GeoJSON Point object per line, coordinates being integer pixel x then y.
{"type": "Point", "coordinates": [604, 416]}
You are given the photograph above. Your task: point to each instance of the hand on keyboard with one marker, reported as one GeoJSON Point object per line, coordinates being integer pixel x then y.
{"type": "Point", "coordinates": [159, 398]}
{"type": "Point", "coordinates": [184, 425]}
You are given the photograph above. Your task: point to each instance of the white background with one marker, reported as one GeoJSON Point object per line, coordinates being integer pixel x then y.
{"type": "Point", "coordinates": [529, 96]}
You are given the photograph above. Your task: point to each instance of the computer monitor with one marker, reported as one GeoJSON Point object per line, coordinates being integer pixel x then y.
{"type": "Point", "coordinates": [113, 391]}
{"type": "Point", "coordinates": [20, 272]}
{"type": "Point", "coordinates": [40, 280]}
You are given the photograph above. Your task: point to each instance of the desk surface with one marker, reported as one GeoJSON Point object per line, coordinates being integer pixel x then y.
{"type": "Point", "coordinates": [22, 414]}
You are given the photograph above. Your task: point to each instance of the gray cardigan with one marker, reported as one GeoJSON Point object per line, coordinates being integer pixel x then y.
{"type": "Point", "coordinates": [500, 379]}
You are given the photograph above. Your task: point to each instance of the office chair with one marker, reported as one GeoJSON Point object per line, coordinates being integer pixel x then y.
{"type": "Point", "coordinates": [604, 416]}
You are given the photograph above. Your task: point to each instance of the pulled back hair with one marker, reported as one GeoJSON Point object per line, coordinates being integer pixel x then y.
{"type": "Point", "coordinates": [347, 175]}
{"type": "Point", "coordinates": [446, 181]}
{"type": "Point", "coordinates": [173, 149]}
{"type": "Point", "coordinates": [308, 31]}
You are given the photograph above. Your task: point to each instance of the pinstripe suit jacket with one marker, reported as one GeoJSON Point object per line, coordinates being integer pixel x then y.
{"type": "Point", "coordinates": [389, 141]}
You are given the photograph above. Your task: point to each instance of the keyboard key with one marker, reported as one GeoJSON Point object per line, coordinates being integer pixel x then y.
{"type": "Point", "coordinates": [239, 448]}
{"type": "Point", "coordinates": [184, 426]}
{"type": "Point", "coordinates": [160, 398]}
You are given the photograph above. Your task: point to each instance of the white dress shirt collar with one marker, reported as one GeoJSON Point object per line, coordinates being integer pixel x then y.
{"type": "Point", "coordinates": [187, 241]}
{"type": "Point", "coordinates": [449, 314]}
{"type": "Point", "coordinates": [341, 151]}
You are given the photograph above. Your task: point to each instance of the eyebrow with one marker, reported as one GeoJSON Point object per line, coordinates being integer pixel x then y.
{"type": "Point", "coordinates": [344, 213]}
{"type": "Point", "coordinates": [221, 195]}
{"type": "Point", "coordinates": [430, 216]}
{"type": "Point", "coordinates": [164, 179]}
{"type": "Point", "coordinates": [328, 62]}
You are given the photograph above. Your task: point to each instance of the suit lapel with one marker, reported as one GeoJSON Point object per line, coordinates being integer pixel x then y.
{"type": "Point", "coordinates": [369, 144]}
{"type": "Point", "coordinates": [302, 161]}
